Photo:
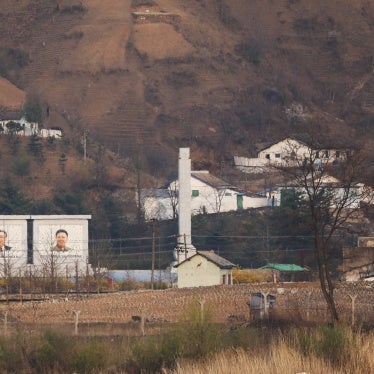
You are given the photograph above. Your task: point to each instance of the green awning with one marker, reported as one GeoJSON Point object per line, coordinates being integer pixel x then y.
{"type": "Point", "coordinates": [283, 267]}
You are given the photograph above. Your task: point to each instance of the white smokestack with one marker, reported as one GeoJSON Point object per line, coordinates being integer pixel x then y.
{"type": "Point", "coordinates": [184, 247]}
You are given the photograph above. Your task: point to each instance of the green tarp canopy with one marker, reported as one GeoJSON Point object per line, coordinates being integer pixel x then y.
{"type": "Point", "coordinates": [283, 267]}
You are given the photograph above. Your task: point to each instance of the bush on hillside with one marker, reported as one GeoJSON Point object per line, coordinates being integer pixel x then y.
{"type": "Point", "coordinates": [250, 51]}
{"type": "Point", "coordinates": [33, 111]}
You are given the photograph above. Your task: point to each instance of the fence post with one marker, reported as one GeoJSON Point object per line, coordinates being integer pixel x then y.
{"type": "Point", "coordinates": [201, 302]}
{"type": "Point", "coordinates": [266, 305]}
{"type": "Point", "coordinates": [308, 306]}
{"type": "Point", "coordinates": [142, 324]}
{"type": "Point", "coordinates": [76, 315]}
{"type": "Point", "coordinates": [6, 322]}
{"type": "Point", "coordinates": [353, 299]}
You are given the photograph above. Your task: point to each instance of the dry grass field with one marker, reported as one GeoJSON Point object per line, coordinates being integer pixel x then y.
{"type": "Point", "coordinates": [107, 338]}
{"type": "Point", "coordinates": [228, 303]}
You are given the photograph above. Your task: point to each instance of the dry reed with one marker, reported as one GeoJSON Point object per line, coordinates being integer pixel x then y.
{"type": "Point", "coordinates": [280, 358]}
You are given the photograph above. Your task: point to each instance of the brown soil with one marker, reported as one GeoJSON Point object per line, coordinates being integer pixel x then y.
{"type": "Point", "coordinates": [226, 302]}
{"type": "Point", "coordinates": [11, 97]}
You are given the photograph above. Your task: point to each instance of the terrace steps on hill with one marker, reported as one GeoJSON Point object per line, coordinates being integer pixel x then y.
{"type": "Point", "coordinates": [130, 126]}
{"type": "Point", "coordinates": [368, 98]}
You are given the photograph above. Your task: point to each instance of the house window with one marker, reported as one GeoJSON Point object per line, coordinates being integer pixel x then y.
{"type": "Point", "coordinates": [229, 279]}
{"type": "Point", "coordinates": [224, 279]}
{"type": "Point", "coordinates": [267, 156]}
{"type": "Point", "coordinates": [195, 193]}
{"type": "Point", "coordinates": [277, 155]}
{"type": "Point", "coordinates": [228, 194]}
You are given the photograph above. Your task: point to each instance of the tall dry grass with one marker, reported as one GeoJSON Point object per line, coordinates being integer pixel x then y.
{"type": "Point", "coordinates": [284, 355]}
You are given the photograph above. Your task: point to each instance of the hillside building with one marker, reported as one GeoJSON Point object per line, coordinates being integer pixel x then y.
{"type": "Point", "coordinates": [22, 127]}
{"type": "Point", "coordinates": [288, 152]}
{"type": "Point", "coordinates": [209, 194]}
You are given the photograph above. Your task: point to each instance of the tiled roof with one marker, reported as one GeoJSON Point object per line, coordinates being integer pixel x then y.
{"type": "Point", "coordinates": [216, 259]}
{"type": "Point", "coordinates": [211, 180]}
{"type": "Point", "coordinates": [212, 257]}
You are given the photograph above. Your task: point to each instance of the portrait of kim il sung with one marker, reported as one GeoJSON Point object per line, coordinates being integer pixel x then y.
{"type": "Point", "coordinates": [61, 239]}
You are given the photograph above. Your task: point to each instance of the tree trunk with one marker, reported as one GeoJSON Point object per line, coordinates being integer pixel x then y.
{"type": "Point", "coordinates": [325, 280]}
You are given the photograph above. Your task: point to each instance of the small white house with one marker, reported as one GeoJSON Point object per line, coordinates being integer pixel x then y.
{"type": "Point", "coordinates": [287, 152]}
{"type": "Point", "coordinates": [205, 268]}
{"type": "Point", "coordinates": [337, 192]}
{"type": "Point", "coordinates": [22, 127]}
{"type": "Point", "coordinates": [209, 195]}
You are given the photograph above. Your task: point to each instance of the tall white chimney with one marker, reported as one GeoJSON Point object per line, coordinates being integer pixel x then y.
{"type": "Point", "coordinates": [184, 248]}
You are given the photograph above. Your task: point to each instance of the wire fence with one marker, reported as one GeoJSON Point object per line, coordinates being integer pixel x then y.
{"type": "Point", "coordinates": [297, 303]}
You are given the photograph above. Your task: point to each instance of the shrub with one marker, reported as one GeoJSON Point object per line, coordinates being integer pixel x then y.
{"type": "Point", "coordinates": [250, 51]}
{"type": "Point", "coordinates": [91, 356]}
{"type": "Point", "coordinates": [10, 361]}
{"type": "Point", "coordinates": [304, 24]}
{"type": "Point", "coordinates": [33, 110]}
{"type": "Point", "coordinates": [74, 35]}
{"type": "Point", "coordinates": [337, 344]}
{"type": "Point", "coordinates": [250, 276]}
{"type": "Point", "coordinates": [51, 352]}
{"type": "Point", "coordinates": [184, 78]}
{"type": "Point", "coordinates": [193, 337]}
{"type": "Point", "coordinates": [136, 3]}
{"type": "Point", "coordinates": [76, 8]}
{"type": "Point", "coordinates": [334, 344]}
{"type": "Point", "coordinates": [21, 166]}
{"type": "Point", "coordinates": [151, 354]}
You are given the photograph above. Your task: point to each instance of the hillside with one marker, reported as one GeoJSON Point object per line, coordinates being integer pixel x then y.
{"type": "Point", "coordinates": [141, 78]}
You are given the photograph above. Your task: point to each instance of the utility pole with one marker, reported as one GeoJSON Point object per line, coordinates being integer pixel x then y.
{"type": "Point", "coordinates": [153, 254]}
{"type": "Point", "coordinates": [84, 146]}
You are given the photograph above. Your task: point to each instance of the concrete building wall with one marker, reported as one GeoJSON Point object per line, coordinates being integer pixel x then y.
{"type": "Point", "coordinates": [198, 271]}
{"type": "Point", "coordinates": [32, 237]}
{"type": "Point", "coordinates": [285, 149]}
{"type": "Point", "coordinates": [69, 262]}
{"type": "Point", "coordinates": [358, 263]}
{"type": "Point", "coordinates": [14, 260]}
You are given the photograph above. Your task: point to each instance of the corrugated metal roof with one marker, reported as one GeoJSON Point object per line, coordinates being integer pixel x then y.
{"type": "Point", "coordinates": [283, 267]}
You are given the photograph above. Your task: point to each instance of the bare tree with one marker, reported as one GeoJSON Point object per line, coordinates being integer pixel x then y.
{"type": "Point", "coordinates": [218, 194]}
{"type": "Point", "coordinates": [332, 201]}
{"type": "Point", "coordinates": [173, 195]}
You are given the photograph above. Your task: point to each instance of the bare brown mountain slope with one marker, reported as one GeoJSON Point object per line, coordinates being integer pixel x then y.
{"type": "Point", "coordinates": [10, 96]}
{"type": "Point", "coordinates": [214, 75]}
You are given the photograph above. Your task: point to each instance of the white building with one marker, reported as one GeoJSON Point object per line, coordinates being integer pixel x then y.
{"type": "Point", "coordinates": [209, 194]}
{"type": "Point", "coordinates": [22, 127]}
{"type": "Point", "coordinates": [287, 152]}
{"type": "Point", "coordinates": [338, 193]}
{"type": "Point", "coordinates": [205, 268]}
{"type": "Point", "coordinates": [32, 242]}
